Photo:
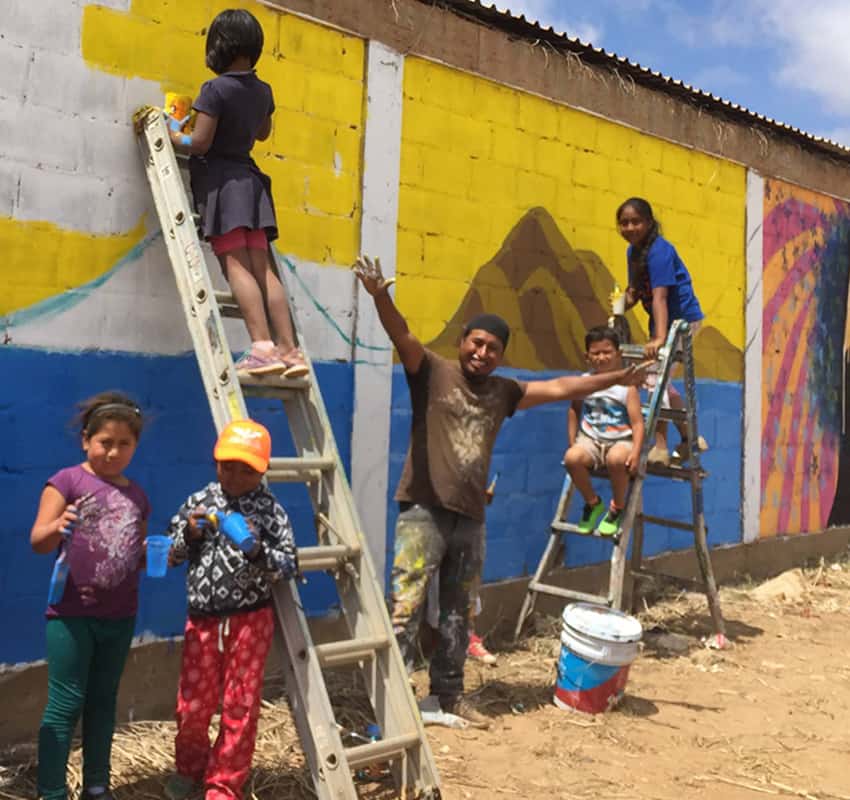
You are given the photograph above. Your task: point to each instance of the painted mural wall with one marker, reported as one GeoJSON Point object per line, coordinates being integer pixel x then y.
{"type": "Point", "coordinates": [89, 300]}
{"type": "Point", "coordinates": [507, 203]}
{"type": "Point", "coordinates": [503, 201]}
{"type": "Point", "coordinates": [804, 415]}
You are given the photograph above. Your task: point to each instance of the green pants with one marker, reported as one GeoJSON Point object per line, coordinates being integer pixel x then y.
{"type": "Point", "coordinates": [85, 659]}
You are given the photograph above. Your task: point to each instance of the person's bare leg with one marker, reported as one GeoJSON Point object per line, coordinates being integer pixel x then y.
{"type": "Point", "coordinates": [618, 473]}
{"type": "Point", "coordinates": [238, 270]}
{"type": "Point", "coordinates": [274, 296]}
{"type": "Point", "coordinates": [578, 462]}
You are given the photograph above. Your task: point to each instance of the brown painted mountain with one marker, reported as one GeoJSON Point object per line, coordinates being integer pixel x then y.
{"type": "Point", "coordinates": [550, 295]}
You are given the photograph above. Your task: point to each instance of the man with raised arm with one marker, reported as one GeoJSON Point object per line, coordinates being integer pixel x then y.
{"type": "Point", "coordinates": [458, 408]}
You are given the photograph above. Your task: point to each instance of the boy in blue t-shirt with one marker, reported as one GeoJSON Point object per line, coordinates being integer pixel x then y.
{"type": "Point", "coordinates": [605, 430]}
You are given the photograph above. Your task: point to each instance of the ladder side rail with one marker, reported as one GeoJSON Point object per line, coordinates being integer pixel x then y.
{"type": "Point", "coordinates": [554, 548]}
{"type": "Point", "coordinates": [398, 703]}
{"type": "Point", "coordinates": [193, 282]}
{"type": "Point", "coordinates": [697, 499]}
{"type": "Point", "coordinates": [617, 576]}
{"type": "Point", "coordinates": [309, 701]}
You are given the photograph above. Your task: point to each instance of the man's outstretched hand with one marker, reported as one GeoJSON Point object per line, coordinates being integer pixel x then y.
{"type": "Point", "coordinates": [369, 272]}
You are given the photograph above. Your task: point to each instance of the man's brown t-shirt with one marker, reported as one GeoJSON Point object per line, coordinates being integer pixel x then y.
{"type": "Point", "coordinates": [454, 428]}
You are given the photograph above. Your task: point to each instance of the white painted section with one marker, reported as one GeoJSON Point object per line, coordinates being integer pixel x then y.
{"type": "Point", "coordinates": [69, 154]}
{"type": "Point", "coordinates": [137, 309]}
{"type": "Point", "coordinates": [753, 357]}
{"type": "Point", "coordinates": [373, 369]}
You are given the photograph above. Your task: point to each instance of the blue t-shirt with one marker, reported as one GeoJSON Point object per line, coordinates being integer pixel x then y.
{"type": "Point", "coordinates": [665, 268]}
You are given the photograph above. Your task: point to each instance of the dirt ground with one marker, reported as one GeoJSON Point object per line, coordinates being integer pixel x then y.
{"type": "Point", "coordinates": [766, 717]}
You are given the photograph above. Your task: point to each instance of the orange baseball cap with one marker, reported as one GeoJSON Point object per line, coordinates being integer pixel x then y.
{"type": "Point", "coordinates": [247, 441]}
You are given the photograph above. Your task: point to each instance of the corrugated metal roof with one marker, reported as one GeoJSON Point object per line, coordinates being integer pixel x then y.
{"type": "Point", "coordinates": [518, 25]}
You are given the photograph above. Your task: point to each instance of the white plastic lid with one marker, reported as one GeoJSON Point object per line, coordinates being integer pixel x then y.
{"type": "Point", "coordinates": [602, 622]}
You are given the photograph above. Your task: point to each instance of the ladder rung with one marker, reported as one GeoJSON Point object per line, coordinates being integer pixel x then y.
{"type": "Point", "coordinates": [696, 585]}
{"type": "Point", "coordinates": [271, 385]}
{"type": "Point", "coordinates": [323, 557]}
{"type": "Point", "coordinates": [569, 527]}
{"type": "Point", "coordinates": [382, 750]}
{"type": "Point", "coordinates": [674, 472]}
{"type": "Point", "coordinates": [668, 523]}
{"type": "Point", "coordinates": [227, 305]}
{"type": "Point", "coordinates": [567, 594]}
{"type": "Point", "coordinates": [350, 651]}
{"type": "Point", "coordinates": [677, 415]}
{"type": "Point", "coordinates": [298, 469]}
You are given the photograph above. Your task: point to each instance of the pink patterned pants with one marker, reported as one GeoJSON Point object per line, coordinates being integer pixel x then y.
{"type": "Point", "coordinates": [223, 661]}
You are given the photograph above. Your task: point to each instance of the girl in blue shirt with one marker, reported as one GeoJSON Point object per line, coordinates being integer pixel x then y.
{"type": "Point", "coordinates": [661, 283]}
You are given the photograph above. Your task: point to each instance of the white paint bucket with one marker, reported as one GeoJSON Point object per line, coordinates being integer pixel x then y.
{"type": "Point", "coordinates": [598, 645]}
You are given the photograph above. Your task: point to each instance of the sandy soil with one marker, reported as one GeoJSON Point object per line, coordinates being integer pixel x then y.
{"type": "Point", "coordinates": [766, 717]}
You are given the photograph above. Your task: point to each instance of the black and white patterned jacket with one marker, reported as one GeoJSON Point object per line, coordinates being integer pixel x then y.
{"type": "Point", "coordinates": [221, 578]}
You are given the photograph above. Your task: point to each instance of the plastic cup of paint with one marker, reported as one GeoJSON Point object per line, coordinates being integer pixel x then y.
{"type": "Point", "coordinates": [618, 305]}
{"type": "Point", "coordinates": [157, 560]}
{"type": "Point", "coordinates": [235, 527]}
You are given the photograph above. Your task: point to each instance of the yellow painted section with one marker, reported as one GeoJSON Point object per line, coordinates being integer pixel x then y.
{"type": "Point", "coordinates": [477, 157]}
{"type": "Point", "coordinates": [47, 260]}
{"type": "Point", "coordinates": [314, 154]}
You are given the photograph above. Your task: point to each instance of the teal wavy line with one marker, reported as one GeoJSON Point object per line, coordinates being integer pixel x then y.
{"type": "Point", "coordinates": [327, 314]}
{"type": "Point", "coordinates": [52, 306]}
{"type": "Point", "coordinates": [58, 304]}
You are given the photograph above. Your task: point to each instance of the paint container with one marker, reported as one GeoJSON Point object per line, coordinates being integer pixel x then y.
{"type": "Point", "coordinates": [179, 107]}
{"type": "Point", "coordinates": [598, 646]}
{"type": "Point", "coordinates": [235, 527]}
{"type": "Point", "coordinates": [157, 556]}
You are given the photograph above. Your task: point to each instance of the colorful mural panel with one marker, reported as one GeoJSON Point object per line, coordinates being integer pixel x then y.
{"type": "Point", "coordinates": [806, 265]}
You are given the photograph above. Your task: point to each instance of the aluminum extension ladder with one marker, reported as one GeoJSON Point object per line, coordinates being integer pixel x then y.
{"type": "Point", "coordinates": [342, 549]}
{"type": "Point", "coordinates": [679, 345]}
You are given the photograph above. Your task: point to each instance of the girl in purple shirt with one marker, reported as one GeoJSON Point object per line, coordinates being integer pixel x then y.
{"type": "Point", "coordinates": [233, 197]}
{"type": "Point", "coordinates": [95, 519]}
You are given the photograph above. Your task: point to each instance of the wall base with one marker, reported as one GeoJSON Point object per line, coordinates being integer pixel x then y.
{"type": "Point", "coordinates": [150, 678]}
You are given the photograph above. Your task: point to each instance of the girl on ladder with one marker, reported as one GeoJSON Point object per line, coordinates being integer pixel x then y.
{"type": "Point", "coordinates": [661, 283]}
{"type": "Point", "coordinates": [233, 197]}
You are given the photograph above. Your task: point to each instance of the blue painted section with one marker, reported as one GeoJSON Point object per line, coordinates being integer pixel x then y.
{"type": "Point", "coordinates": [528, 455]}
{"type": "Point", "coordinates": [174, 458]}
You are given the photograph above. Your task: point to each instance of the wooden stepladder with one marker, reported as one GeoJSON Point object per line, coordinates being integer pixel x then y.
{"type": "Point", "coordinates": [342, 551]}
{"type": "Point", "coordinates": [679, 346]}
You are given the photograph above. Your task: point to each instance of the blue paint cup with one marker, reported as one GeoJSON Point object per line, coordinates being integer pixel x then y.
{"type": "Point", "coordinates": [235, 527]}
{"type": "Point", "coordinates": [157, 559]}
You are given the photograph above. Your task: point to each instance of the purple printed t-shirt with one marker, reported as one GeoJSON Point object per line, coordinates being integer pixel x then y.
{"type": "Point", "coordinates": [105, 550]}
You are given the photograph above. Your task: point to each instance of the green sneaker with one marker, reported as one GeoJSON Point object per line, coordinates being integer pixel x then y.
{"type": "Point", "coordinates": [590, 516]}
{"type": "Point", "coordinates": [610, 524]}
{"type": "Point", "coordinates": [179, 787]}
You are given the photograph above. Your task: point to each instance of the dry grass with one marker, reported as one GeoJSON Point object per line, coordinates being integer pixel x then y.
{"type": "Point", "coordinates": [521, 683]}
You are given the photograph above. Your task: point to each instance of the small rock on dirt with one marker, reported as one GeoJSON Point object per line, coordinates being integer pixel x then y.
{"type": "Point", "coordinates": [670, 643]}
{"type": "Point", "coordinates": [789, 586]}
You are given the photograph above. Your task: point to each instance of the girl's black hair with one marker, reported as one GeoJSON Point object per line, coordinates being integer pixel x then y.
{"type": "Point", "coordinates": [233, 33]}
{"type": "Point", "coordinates": [641, 252]}
{"type": "Point", "coordinates": [97, 410]}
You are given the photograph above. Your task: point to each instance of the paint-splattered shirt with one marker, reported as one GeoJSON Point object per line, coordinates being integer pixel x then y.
{"type": "Point", "coordinates": [104, 552]}
{"type": "Point", "coordinates": [454, 428]}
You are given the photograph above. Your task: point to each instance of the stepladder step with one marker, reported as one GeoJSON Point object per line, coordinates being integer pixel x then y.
{"type": "Point", "coordinates": [299, 469]}
{"type": "Point", "coordinates": [381, 750]}
{"type": "Point", "coordinates": [337, 654]}
{"type": "Point", "coordinates": [570, 527]}
{"type": "Point", "coordinates": [566, 594]}
{"type": "Point", "coordinates": [326, 557]}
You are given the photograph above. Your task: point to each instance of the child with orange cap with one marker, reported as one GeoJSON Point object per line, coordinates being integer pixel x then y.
{"type": "Point", "coordinates": [230, 624]}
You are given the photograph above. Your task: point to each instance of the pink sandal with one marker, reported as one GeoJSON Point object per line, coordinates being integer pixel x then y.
{"type": "Point", "coordinates": [295, 364]}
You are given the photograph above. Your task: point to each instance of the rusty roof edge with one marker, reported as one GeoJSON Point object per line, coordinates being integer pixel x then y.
{"type": "Point", "coordinates": [533, 31]}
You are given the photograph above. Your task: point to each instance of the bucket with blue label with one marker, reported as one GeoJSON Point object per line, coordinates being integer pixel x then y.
{"type": "Point", "coordinates": [598, 645]}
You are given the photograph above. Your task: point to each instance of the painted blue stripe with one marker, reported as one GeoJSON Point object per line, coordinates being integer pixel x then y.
{"type": "Point", "coordinates": [575, 674]}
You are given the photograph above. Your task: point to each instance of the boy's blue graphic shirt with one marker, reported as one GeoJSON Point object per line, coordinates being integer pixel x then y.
{"type": "Point", "coordinates": [605, 415]}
